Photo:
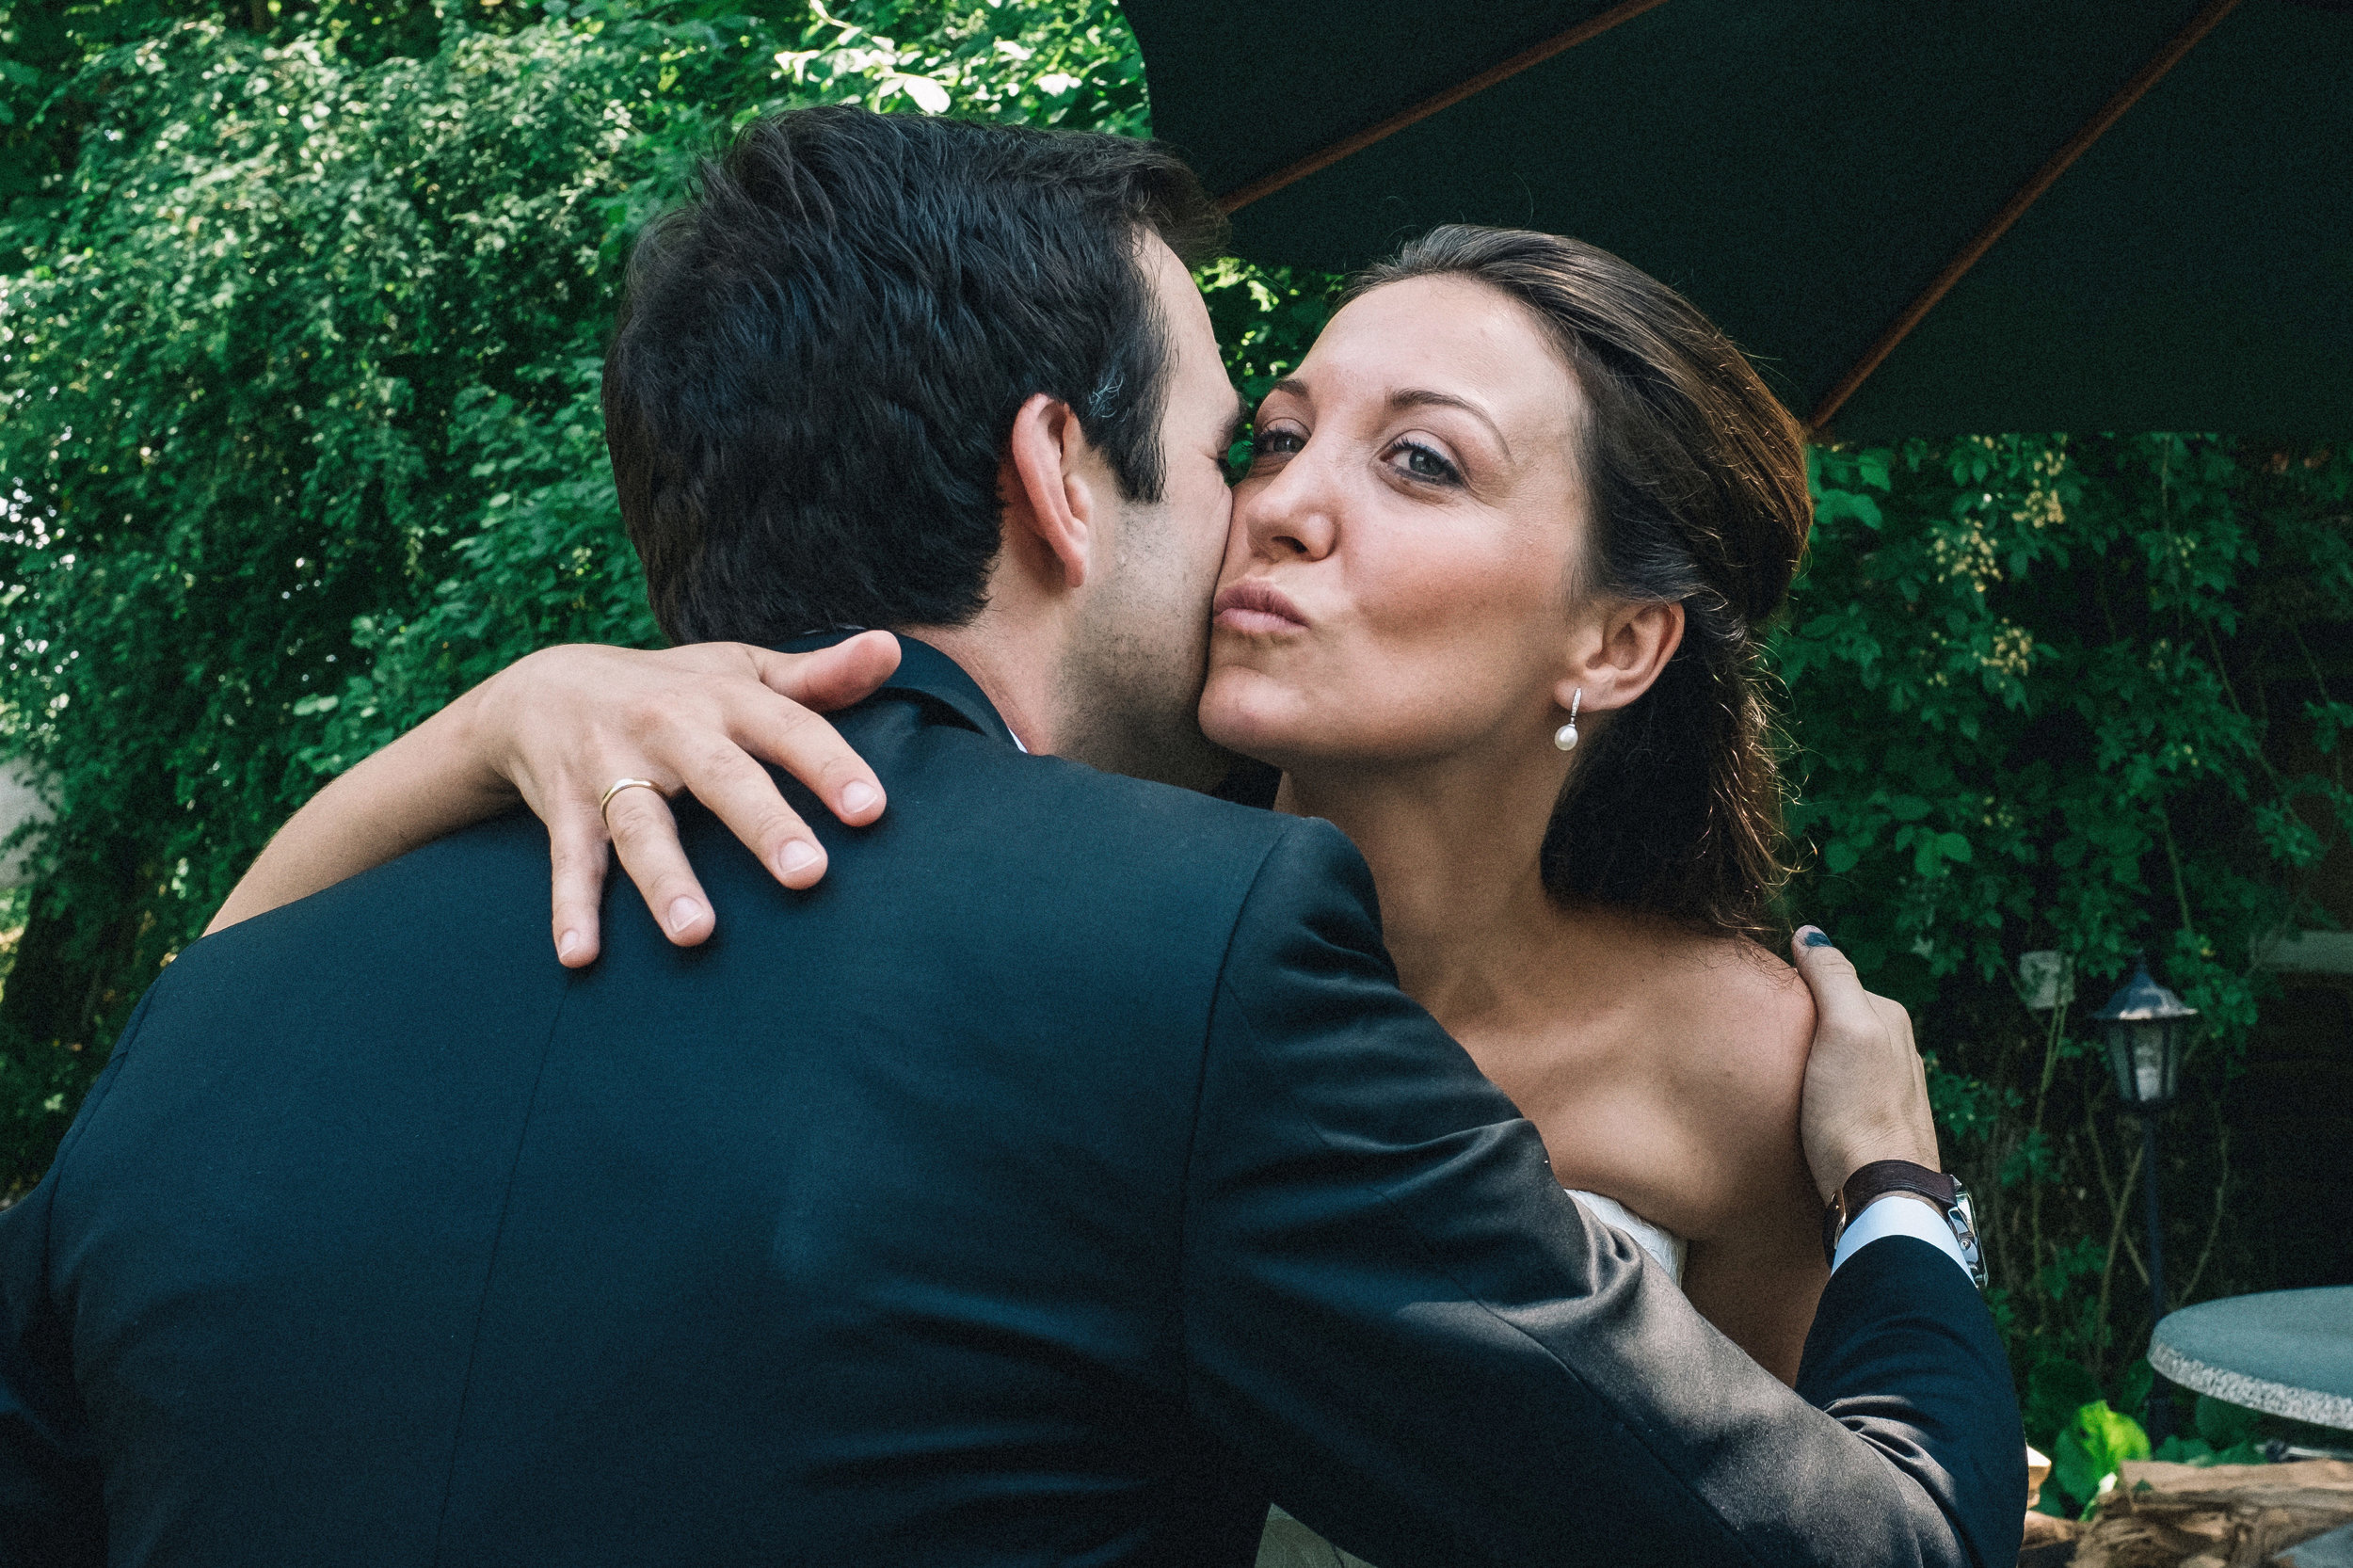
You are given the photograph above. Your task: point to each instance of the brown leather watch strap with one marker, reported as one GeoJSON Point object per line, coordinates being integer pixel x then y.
{"type": "Point", "coordinates": [1876, 1180]}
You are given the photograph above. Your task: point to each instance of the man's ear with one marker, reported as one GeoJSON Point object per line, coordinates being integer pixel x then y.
{"type": "Point", "coordinates": [1049, 484]}
{"type": "Point", "coordinates": [1634, 644]}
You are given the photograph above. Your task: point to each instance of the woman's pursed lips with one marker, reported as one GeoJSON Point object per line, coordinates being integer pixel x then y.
{"type": "Point", "coordinates": [1255, 605]}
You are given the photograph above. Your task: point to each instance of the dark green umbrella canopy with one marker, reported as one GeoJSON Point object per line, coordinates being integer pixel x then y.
{"type": "Point", "coordinates": [2177, 178]}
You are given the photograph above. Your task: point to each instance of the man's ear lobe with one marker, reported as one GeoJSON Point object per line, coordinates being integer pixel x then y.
{"type": "Point", "coordinates": [1045, 489]}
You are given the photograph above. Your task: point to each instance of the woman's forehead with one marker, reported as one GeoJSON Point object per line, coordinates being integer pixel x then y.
{"type": "Point", "coordinates": [1444, 334]}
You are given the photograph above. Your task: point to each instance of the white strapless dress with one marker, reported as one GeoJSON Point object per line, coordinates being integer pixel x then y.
{"type": "Point", "coordinates": [1288, 1544]}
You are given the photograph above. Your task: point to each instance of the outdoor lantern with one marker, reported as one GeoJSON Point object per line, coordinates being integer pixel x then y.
{"type": "Point", "coordinates": [2147, 1026]}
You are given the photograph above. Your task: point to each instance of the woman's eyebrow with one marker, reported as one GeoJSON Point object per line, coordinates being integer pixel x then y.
{"type": "Point", "coordinates": [1414, 398]}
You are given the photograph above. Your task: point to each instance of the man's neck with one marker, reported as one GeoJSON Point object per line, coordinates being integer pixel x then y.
{"type": "Point", "coordinates": [1013, 667]}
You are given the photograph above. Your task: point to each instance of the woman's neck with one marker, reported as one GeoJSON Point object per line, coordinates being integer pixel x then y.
{"type": "Point", "coordinates": [1455, 850]}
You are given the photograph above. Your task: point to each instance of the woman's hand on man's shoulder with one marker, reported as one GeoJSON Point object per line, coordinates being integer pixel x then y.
{"type": "Point", "coordinates": [598, 740]}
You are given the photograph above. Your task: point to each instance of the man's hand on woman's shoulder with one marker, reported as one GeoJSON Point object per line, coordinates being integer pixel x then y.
{"type": "Point", "coordinates": [1866, 1090]}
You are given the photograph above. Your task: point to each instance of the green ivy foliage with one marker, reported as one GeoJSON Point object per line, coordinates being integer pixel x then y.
{"type": "Point", "coordinates": [298, 394]}
{"type": "Point", "coordinates": [2039, 692]}
{"type": "Point", "coordinates": [301, 306]}
{"type": "Point", "coordinates": [2084, 1461]}
{"type": "Point", "coordinates": [2037, 674]}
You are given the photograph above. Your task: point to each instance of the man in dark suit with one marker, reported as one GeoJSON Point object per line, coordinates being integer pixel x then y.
{"type": "Point", "coordinates": [1058, 1181]}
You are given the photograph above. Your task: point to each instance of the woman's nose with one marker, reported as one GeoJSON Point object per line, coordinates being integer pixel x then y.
{"type": "Point", "coordinates": [1292, 516]}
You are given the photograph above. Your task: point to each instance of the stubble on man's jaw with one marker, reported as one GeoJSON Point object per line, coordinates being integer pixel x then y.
{"type": "Point", "coordinates": [1133, 705]}
{"type": "Point", "coordinates": [1130, 682]}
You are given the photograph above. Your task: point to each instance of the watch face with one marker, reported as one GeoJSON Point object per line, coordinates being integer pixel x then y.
{"type": "Point", "coordinates": [1963, 1217]}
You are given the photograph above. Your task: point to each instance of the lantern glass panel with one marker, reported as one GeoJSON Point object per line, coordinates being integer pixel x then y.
{"type": "Point", "coordinates": [2141, 1052]}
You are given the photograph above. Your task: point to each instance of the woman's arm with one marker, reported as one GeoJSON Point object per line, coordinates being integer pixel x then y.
{"type": "Point", "coordinates": [555, 729]}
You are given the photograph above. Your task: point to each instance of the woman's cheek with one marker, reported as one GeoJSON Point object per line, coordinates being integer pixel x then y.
{"type": "Point", "coordinates": [1449, 661]}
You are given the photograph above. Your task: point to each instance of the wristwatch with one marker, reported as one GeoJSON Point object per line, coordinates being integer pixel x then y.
{"type": "Point", "coordinates": [1882, 1177]}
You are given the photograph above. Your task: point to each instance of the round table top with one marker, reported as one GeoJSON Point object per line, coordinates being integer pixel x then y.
{"type": "Point", "coordinates": [2289, 1352]}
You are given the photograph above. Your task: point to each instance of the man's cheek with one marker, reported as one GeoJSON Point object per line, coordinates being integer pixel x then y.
{"type": "Point", "coordinates": [1221, 541]}
{"type": "Point", "coordinates": [1216, 511]}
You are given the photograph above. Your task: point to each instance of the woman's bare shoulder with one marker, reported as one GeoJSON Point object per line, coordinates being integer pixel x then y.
{"type": "Point", "coordinates": [1704, 1048]}
{"type": "Point", "coordinates": [1742, 1021]}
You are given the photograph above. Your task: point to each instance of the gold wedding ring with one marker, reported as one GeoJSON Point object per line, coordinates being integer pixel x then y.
{"type": "Point", "coordinates": [616, 787]}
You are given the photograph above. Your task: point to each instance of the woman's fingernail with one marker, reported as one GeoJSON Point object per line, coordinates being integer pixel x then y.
{"type": "Point", "coordinates": [567, 944]}
{"type": "Point", "coordinates": [1815, 937]}
{"type": "Point", "coordinates": [798, 856]}
{"type": "Point", "coordinates": [858, 796]}
{"type": "Point", "coordinates": [684, 913]}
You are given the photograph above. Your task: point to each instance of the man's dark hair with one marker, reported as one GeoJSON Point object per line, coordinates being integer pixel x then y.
{"type": "Point", "coordinates": [820, 357]}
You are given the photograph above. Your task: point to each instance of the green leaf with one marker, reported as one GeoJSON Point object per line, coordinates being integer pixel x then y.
{"type": "Point", "coordinates": [2226, 1425]}
{"type": "Point", "coordinates": [1835, 504]}
{"type": "Point", "coordinates": [2088, 1451]}
{"type": "Point", "coordinates": [1841, 858]}
{"type": "Point", "coordinates": [928, 95]}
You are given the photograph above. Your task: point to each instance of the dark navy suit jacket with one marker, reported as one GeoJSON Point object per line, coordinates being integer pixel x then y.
{"type": "Point", "coordinates": [1061, 1179]}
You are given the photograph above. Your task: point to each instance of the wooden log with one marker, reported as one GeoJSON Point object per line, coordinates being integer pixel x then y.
{"type": "Point", "coordinates": [2162, 1515]}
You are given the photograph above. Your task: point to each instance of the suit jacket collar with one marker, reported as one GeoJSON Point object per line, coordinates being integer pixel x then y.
{"type": "Point", "coordinates": [929, 675]}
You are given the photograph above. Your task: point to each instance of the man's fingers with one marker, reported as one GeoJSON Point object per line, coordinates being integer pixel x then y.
{"type": "Point", "coordinates": [577, 847]}
{"type": "Point", "coordinates": [741, 794]}
{"type": "Point", "coordinates": [1865, 1086]}
{"type": "Point", "coordinates": [1839, 1000]}
{"type": "Point", "coordinates": [1894, 1016]}
{"type": "Point", "coordinates": [645, 835]}
{"type": "Point", "coordinates": [832, 676]}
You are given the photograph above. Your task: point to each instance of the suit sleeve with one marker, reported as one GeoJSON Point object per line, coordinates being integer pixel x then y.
{"type": "Point", "coordinates": [52, 1491]}
{"type": "Point", "coordinates": [1393, 1312]}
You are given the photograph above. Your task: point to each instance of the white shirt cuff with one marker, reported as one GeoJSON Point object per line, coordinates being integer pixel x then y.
{"type": "Point", "coordinates": [1892, 1214]}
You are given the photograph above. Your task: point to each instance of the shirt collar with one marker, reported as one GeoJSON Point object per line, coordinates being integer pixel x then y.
{"type": "Point", "coordinates": [927, 674]}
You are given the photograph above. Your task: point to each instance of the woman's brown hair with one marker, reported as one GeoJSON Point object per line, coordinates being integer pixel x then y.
{"type": "Point", "coordinates": [1697, 479]}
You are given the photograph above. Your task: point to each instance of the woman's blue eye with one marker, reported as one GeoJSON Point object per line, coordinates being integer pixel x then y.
{"type": "Point", "coordinates": [1422, 463]}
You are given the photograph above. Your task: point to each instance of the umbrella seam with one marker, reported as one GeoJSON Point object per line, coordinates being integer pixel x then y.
{"type": "Point", "coordinates": [1234, 201]}
{"type": "Point", "coordinates": [2015, 208]}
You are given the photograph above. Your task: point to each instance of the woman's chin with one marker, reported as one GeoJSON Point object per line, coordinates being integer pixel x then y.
{"type": "Point", "coordinates": [1249, 712]}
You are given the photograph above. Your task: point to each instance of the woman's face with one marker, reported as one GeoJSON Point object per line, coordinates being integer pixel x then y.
{"type": "Point", "coordinates": [1397, 587]}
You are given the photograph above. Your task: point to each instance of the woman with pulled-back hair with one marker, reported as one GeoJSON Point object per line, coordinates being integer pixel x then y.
{"type": "Point", "coordinates": [1491, 604]}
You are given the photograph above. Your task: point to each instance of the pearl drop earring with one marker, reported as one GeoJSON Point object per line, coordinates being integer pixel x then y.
{"type": "Point", "coordinates": [1565, 737]}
